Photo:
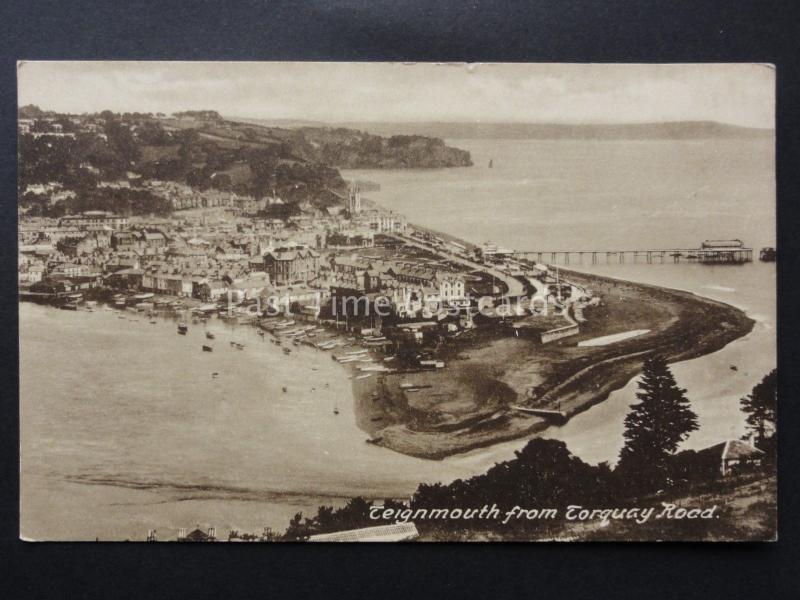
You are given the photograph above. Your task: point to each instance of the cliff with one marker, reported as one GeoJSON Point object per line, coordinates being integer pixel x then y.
{"type": "Point", "coordinates": [354, 149]}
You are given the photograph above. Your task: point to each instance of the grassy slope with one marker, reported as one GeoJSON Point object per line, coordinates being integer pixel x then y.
{"type": "Point", "coordinates": [747, 512]}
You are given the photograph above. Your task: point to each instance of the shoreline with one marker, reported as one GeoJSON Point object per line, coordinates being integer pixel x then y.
{"type": "Point", "coordinates": [485, 377]}
{"type": "Point", "coordinates": [682, 325]}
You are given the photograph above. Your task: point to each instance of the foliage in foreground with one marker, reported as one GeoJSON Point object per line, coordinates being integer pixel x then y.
{"type": "Point", "coordinates": [544, 474]}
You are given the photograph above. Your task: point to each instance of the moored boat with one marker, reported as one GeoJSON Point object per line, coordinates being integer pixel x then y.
{"type": "Point", "coordinates": [183, 328]}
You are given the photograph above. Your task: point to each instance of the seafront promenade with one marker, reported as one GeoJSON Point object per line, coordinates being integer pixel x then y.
{"type": "Point", "coordinates": [514, 288]}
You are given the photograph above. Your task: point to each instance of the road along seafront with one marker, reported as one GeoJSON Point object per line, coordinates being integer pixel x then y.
{"type": "Point", "coordinates": [498, 386]}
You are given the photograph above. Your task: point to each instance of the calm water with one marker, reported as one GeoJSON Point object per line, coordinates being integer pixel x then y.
{"type": "Point", "coordinates": [576, 195]}
{"type": "Point", "coordinates": [124, 429]}
{"type": "Point", "coordinates": [607, 195]}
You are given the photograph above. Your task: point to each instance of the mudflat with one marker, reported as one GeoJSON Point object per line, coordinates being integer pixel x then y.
{"type": "Point", "coordinates": [474, 402]}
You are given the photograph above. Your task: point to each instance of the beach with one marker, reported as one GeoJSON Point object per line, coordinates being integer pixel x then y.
{"type": "Point", "coordinates": [469, 404]}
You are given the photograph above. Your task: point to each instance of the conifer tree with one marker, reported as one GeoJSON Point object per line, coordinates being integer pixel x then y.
{"type": "Point", "coordinates": [761, 409]}
{"type": "Point", "coordinates": [654, 427]}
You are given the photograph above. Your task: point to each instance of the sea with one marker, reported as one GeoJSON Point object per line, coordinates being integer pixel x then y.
{"type": "Point", "coordinates": [126, 428]}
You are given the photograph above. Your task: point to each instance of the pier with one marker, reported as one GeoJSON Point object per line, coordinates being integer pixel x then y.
{"type": "Point", "coordinates": [711, 252]}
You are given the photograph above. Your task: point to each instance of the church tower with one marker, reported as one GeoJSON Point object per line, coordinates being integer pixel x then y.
{"type": "Point", "coordinates": [354, 201]}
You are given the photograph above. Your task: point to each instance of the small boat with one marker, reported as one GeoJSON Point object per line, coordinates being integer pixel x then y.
{"type": "Point", "coordinates": [364, 376]}
{"type": "Point", "coordinates": [207, 348]}
{"type": "Point", "coordinates": [336, 411]}
{"type": "Point", "coordinates": [214, 375]}
{"type": "Point", "coordinates": [287, 350]}
{"type": "Point", "coordinates": [153, 322]}
{"type": "Point", "coordinates": [183, 328]}
{"type": "Point", "coordinates": [209, 335]}
{"type": "Point", "coordinates": [491, 163]}
{"type": "Point", "coordinates": [239, 346]}
{"type": "Point", "coordinates": [284, 389]}
{"type": "Point", "coordinates": [734, 368]}
{"type": "Point", "coordinates": [69, 306]}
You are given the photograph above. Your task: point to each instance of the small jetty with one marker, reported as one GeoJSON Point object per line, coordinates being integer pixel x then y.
{"type": "Point", "coordinates": [558, 416]}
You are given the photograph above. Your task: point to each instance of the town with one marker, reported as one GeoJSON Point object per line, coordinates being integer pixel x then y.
{"type": "Point", "coordinates": [301, 254]}
{"type": "Point", "coordinates": [223, 259]}
{"type": "Point", "coordinates": [220, 251]}
{"type": "Point", "coordinates": [448, 345]}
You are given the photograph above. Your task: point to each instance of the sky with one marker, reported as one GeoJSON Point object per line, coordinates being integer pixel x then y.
{"type": "Point", "coordinates": [740, 94]}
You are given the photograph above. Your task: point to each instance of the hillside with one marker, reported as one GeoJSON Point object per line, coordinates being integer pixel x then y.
{"type": "Point", "coordinates": [204, 150]}
{"type": "Point", "coordinates": [347, 148]}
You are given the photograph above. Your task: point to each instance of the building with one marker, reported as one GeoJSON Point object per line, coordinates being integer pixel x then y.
{"type": "Point", "coordinates": [198, 535]}
{"type": "Point", "coordinates": [291, 264]}
{"type": "Point", "coordinates": [31, 274]}
{"type": "Point", "coordinates": [85, 244]}
{"type": "Point", "coordinates": [387, 223]}
{"type": "Point", "coordinates": [212, 290]}
{"type": "Point", "coordinates": [94, 220]}
{"type": "Point", "coordinates": [69, 271]}
{"type": "Point", "coordinates": [731, 457]}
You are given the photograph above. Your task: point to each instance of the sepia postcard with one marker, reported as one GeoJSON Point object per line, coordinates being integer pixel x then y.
{"type": "Point", "coordinates": [356, 302]}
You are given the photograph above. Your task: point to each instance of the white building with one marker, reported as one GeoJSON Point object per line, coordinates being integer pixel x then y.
{"type": "Point", "coordinates": [94, 220]}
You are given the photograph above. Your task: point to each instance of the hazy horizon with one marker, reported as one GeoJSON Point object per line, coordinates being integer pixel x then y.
{"type": "Point", "coordinates": [425, 121]}
{"type": "Point", "coordinates": [525, 93]}
{"type": "Point", "coordinates": [485, 122]}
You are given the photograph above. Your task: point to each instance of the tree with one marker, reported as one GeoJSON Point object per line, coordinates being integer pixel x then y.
{"type": "Point", "coordinates": [761, 409]}
{"type": "Point", "coordinates": [654, 427]}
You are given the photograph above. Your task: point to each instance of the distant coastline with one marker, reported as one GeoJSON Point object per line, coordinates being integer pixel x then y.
{"type": "Point", "coordinates": [676, 130]}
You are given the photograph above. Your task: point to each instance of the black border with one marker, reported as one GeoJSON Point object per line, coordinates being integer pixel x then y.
{"type": "Point", "coordinates": [447, 30]}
